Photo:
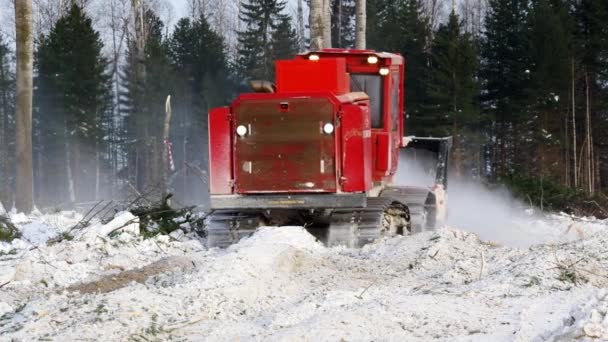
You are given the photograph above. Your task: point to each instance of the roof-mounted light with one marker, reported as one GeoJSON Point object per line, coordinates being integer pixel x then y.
{"type": "Point", "coordinates": [313, 57]}
{"type": "Point", "coordinates": [372, 59]}
{"type": "Point", "coordinates": [384, 71]}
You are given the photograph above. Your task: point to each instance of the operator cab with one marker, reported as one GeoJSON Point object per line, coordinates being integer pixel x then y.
{"type": "Point", "coordinates": [380, 75]}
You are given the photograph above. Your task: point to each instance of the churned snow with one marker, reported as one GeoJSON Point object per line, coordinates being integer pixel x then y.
{"type": "Point", "coordinates": [281, 284]}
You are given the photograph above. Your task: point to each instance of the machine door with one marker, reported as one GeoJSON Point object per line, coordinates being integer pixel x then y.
{"type": "Point", "coordinates": [281, 145]}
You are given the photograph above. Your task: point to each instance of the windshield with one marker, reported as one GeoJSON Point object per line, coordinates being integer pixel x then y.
{"type": "Point", "coordinates": [371, 84]}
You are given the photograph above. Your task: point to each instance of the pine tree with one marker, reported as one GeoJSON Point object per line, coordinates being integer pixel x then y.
{"type": "Point", "coordinates": [203, 80]}
{"type": "Point", "coordinates": [254, 55]}
{"type": "Point", "coordinates": [591, 47]}
{"type": "Point", "coordinates": [143, 102]}
{"type": "Point", "coordinates": [403, 28]}
{"type": "Point", "coordinates": [72, 95]}
{"type": "Point", "coordinates": [549, 47]}
{"type": "Point", "coordinates": [7, 93]}
{"type": "Point", "coordinates": [376, 11]}
{"type": "Point", "coordinates": [505, 72]}
{"type": "Point", "coordinates": [452, 90]}
{"type": "Point", "coordinates": [284, 40]}
{"type": "Point", "coordinates": [451, 86]}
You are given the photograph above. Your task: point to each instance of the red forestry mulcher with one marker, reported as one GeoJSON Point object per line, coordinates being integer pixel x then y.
{"type": "Point", "coordinates": [320, 149]}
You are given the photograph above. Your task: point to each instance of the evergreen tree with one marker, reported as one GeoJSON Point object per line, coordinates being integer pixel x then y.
{"type": "Point", "coordinates": [506, 72]}
{"type": "Point", "coordinates": [254, 55]}
{"type": "Point", "coordinates": [72, 92]}
{"type": "Point", "coordinates": [549, 47]}
{"type": "Point", "coordinates": [284, 40]}
{"type": "Point", "coordinates": [198, 55]}
{"type": "Point", "coordinates": [374, 13]}
{"type": "Point", "coordinates": [143, 103]}
{"type": "Point", "coordinates": [403, 28]}
{"type": "Point", "coordinates": [591, 46]}
{"type": "Point", "coordinates": [203, 81]}
{"type": "Point", "coordinates": [7, 93]}
{"type": "Point", "coordinates": [592, 35]}
{"type": "Point", "coordinates": [452, 90]}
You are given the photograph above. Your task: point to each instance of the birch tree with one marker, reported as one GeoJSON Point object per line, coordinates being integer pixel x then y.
{"type": "Point", "coordinates": [316, 25]}
{"type": "Point", "coordinates": [326, 25]}
{"type": "Point", "coordinates": [361, 19]}
{"type": "Point", "coordinates": [24, 194]}
{"type": "Point", "coordinates": [301, 39]}
{"type": "Point", "coordinates": [6, 107]}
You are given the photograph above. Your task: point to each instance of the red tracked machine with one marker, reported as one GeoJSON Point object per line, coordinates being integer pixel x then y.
{"type": "Point", "coordinates": [320, 149]}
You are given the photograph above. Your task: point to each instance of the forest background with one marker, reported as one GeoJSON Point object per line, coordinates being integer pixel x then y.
{"type": "Point", "coordinates": [522, 86]}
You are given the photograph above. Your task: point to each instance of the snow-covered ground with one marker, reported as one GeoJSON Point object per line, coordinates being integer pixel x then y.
{"type": "Point", "coordinates": [281, 284]}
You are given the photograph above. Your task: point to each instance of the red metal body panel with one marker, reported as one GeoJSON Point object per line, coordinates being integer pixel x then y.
{"type": "Point", "coordinates": [382, 153]}
{"type": "Point", "coordinates": [220, 151]}
{"type": "Point", "coordinates": [312, 76]}
{"type": "Point", "coordinates": [356, 148]}
{"type": "Point", "coordinates": [386, 140]}
{"type": "Point", "coordinates": [288, 153]}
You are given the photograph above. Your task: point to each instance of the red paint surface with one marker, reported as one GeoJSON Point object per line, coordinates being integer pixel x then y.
{"type": "Point", "coordinates": [356, 155]}
{"type": "Point", "coordinates": [220, 151]}
{"type": "Point", "coordinates": [382, 152]}
{"type": "Point", "coordinates": [356, 148]}
{"type": "Point", "coordinates": [312, 76]}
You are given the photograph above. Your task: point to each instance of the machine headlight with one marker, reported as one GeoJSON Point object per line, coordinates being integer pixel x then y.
{"type": "Point", "coordinates": [372, 59]}
{"type": "Point", "coordinates": [384, 71]}
{"type": "Point", "coordinates": [328, 128]}
{"type": "Point", "coordinates": [313, 57]}
{"type": "Point", "coordinates": [241, 130]}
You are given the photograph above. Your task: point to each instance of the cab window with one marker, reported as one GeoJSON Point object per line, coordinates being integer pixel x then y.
{"type": "Point", "coordinates": [372, 85]}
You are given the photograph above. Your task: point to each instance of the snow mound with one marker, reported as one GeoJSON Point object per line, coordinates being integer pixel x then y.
{"type": "Point", "coordinates": [588, 321]}
{"type": "Point", "coordinates": [281, 284]}
{"type": "Point", "coordinates": [37, 233]}
{"type": "Point", "coordinates": [123, 222]}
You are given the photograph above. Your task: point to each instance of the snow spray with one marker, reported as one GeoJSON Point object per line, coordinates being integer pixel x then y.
{"type": "Point", "coordinates": [491, 213]}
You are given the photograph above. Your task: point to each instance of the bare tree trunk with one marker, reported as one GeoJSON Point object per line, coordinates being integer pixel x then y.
{"type": "Point", "coordinates": [24, 27]}
{"type": "Point", "coordinates": [581, 170]}
{"type": "Point", "coordinates": [301, 39]}
{"type": "Point", "coordinates": [360, 18]}
{"type": "Point", "coordinates": [339, 25]}
{"type": "Point", "coordinates": [5, 188]}
{"type": "Point", "coordinates": [97, 169]}
{"type": "Point", "coordinates": [598, 179]}
{"type": "Point", "coordinates": [566, 152]}
{"type": "Point", "coordinates": [142, 146]}
{"type": "Point", "coordinates": [433, 13]}
{"type": "Point", "coordinates": [115, 102]}
{"type": "Point", "coordinates": [316, 24]}
{"type": "Point", "coordinates": [68, 164]}
{"type": "Point", "coordinates": [588, 156]}
{"type": "Point", "coordinates": [574, 127]}
{"type": "Point", "coordinates": [326, 23]}
{"type": "Point", "coordinates": [165, 158]}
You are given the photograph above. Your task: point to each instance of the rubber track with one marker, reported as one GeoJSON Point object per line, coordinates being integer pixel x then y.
{"type": "Point", "coordinates": [355, 227]}
{"type": "Point", "coordinates": [225, 228]}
